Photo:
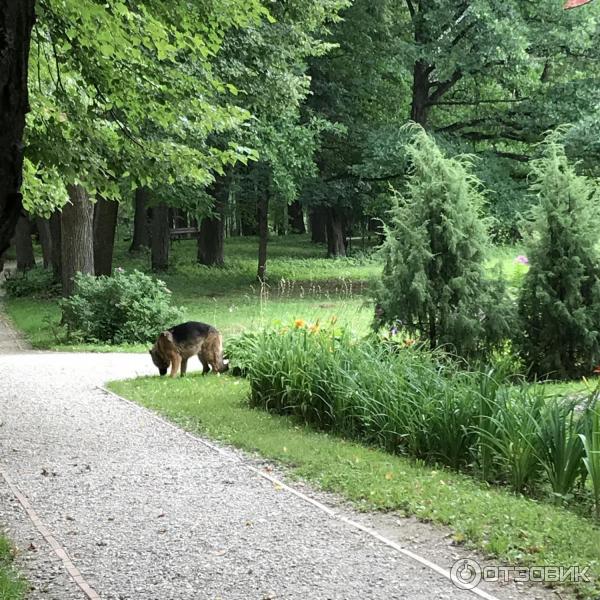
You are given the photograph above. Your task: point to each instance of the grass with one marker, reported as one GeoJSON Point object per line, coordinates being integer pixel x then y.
{"type": "Point", "coordinates": [511, 527]}
{"type": "Point", "coordinates": [302, 284]}
{"type": "Point", "coordinates": [12, 587]}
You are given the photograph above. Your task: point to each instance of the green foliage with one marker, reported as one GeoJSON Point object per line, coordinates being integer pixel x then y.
{"type": "Point", "coordinates": [12, 586]}
{"type": "Point", "coordinates": [433, 283]}
{"type": "Point", "coordinates": [124, 308]}
{"type": "Point", "coordinates": [408, 400]}
{"type": "Point", "coordinates": [560, 447]}
{"type": "Point", "coordinates": [126, 93]}
{"type": "Point", "coordinates": [35, 283]}
{"type": "Point", "coordinates": [559, 302]}
{"type": "Point", "coordinates": [591, 443]}
{"type": "Point", "coordinates": [269, 65]}
{"type": "Point", "coordinates": [511, 435]}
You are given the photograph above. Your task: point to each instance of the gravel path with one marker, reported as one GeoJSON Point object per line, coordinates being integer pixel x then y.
{"type": "Point", "coordinates": [146, 512]}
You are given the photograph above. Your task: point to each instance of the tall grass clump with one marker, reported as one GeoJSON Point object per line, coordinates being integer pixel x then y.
{"type": "Point", "coordinates": [510, 433]}
{"type": "Point", "coordinates": [591, 443]}
{"type": "Point", "coordinates": [434, 282]}
{"type": "Point", "coordinates": [410, 400]}
{"type": "Point", "coordinates": [398, 397]}
{"type": "Point", "coordinates": [560, 447]}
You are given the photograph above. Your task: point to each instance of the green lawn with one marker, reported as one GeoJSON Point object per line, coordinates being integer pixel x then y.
{"type": "Point", "coordinates": [302, 284]}
{"type": "Point", "coordinates": [514, 528]}
{"type": "Point", "coordinates": [12, 587]}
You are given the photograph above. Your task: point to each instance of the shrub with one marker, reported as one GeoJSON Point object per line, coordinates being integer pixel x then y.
{"type": "Point", "coordinates": [559, 303]}
{"type": "Point", "coordinates": [434, 283]}
{"type": "Point", "coordinates": [35, 283]}
{"type": "Point", "coordinates": [124, 308]}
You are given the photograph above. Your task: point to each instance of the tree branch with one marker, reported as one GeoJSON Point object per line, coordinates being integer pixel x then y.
{"type": "Point", "coordinates": [477, 102]}
{"type": "Point", "coordinates": [513, 156]}
{"type": "Point", "coordinates": [444, 86]}
{"type": "Point", "coordinates": [462, 34]}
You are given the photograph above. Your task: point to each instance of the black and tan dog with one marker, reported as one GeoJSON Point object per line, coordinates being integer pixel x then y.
{"type": "Point", "coordinates": [176, 345]}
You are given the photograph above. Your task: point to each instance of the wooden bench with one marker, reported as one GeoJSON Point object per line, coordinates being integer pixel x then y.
{"type": "Point", "coordinates": [184, 233]}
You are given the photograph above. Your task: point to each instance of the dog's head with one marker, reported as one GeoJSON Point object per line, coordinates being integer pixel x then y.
{"type": "Point", "coordinates": [159, 352]}
{"type": "Point", "coordinates": [223, 366]}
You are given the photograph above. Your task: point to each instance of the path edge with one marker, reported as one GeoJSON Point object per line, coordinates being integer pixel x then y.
{"type": "Point", "coordinates": [45, 532]}
{"type": "Point", "coordinates": [305, 498]}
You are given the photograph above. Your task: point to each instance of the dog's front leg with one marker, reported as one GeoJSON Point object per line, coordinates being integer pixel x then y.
{"type": "Point", "coordinates": [175, 364]}
{"type": "Point", "coordinates": [183, 366]}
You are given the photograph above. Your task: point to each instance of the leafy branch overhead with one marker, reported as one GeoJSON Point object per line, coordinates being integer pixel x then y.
{"type": "Point", "coordinates": [127, 90]}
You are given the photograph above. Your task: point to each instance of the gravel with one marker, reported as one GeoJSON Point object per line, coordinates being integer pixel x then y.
{"type": "Point", "coordinates": [149, 513]}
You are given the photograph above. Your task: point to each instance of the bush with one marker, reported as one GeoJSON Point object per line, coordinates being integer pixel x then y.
{"type": "Point", "coordinates": [124, 308]}
{"type": "Point", "coordinates": [434, 283]}
{"type": "Point", "coordinates": [409, 400]}
{"type": "Point", "coordinates": [35, 283]}
{"type": "Point", "coordinates": [559, 303]}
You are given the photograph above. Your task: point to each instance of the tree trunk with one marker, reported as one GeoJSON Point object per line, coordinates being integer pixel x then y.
{"type": "Point", "coordinates": [263, 232]}
{"type": "Point", "coordinates": [141, 233]}
{"type": "Point", "coordinates": [56, 234]}
{"type": "Point", "coordinates": [77, 237]}
{"type": "Point", "coordinates": [105, 226]}
{"type": "Point", "coordinates": [43, 227]}
{"type": "Point", "coordinates": [318, 225]}
{"type": "Point", "coordinates": [160, 238]}
{"type": "Point", "coordinates": [296, 217]}
{"type": "Point", "coordinates": [212, 229]}
{"type": "Point", "coordinates": [419, 110]}
{"type": "Point", "coordinates": [23, 245]}
{"type": "Point", "coordinates": [16, 20]}
{"type": "Point", "coordinates": [335, 234]}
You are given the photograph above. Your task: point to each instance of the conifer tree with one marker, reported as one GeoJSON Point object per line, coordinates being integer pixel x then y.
{"type": "Point", "coordinates": [433, 283]}
{"type": "Point", "coordinates": [559, 303]}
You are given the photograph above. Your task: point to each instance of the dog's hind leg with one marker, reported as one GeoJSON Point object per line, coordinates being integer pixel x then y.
{"type": "Point", "coordinates": [175, 364]}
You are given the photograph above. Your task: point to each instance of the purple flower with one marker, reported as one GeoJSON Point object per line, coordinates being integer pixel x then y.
{"type": "Point", "coordinates": [522, 259]}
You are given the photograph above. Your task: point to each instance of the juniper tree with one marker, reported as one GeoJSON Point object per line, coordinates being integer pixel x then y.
{"type": "Point", "coordinates": [559, 303]}
{"type": "Point", "coordinates": [434, 284]}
